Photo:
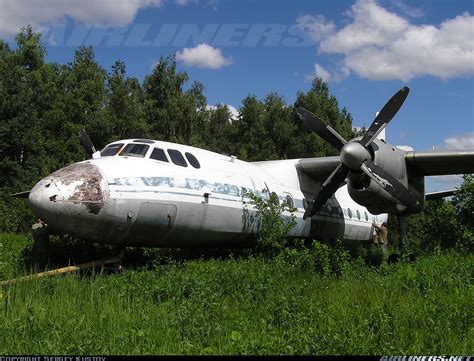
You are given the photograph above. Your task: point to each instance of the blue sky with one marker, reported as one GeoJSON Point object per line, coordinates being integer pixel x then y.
{"type": "Point", "coordinates": [365, 49]}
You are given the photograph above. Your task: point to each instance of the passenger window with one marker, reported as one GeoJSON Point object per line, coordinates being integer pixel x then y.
{"type": "Point", "coordinates": [358, 214]}
{"type": "Point", "coordinates": [349, 212]}
{"type": "Point", "coordinates": [111, 150]}
{"type": "Point", "coordinates": [275, 199]}
{"type": "Point", "coordinates": [177, 158]}
{"type": "Point", "coordinates": [366, 216]}
{"type": "Point", "coordinates": [159, 154]}
{"type": "Point", "coordinates": [192, 160]}
{"type": "Point", "coordinates": [289, 201]}
{"type": "Point", "coordinates": [134, 150]}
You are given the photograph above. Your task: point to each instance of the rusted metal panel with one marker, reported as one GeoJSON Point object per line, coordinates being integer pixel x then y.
{"type": "Point", "coordinates": [89, 191]}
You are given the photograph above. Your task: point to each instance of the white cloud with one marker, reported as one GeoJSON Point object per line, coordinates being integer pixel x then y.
{"type": "Point", "coordinates": [316, 26]}
{"type": "Point", "coordinates": [319, 72]}
{"type": "Point", "coordinates": [15, 14]}
{"type": "Point", "coordinates": [203, 56]}
{"type": "Point", "coordinates": [408, 148]}
{"type": "Point", "coordinates": [463, 141]}
{"type": "Point", "coordinates": [372, 25]}
{"type": "Point", "coordinates": [234, 112]}
{"type": "Point", "coordinates": [408, 10]}
{"type": "Point", "coordinates": [381, 45]}
{"type": "Point", "coordinates": [443, 182]}
{"type": "Point", "coordinates": [328, 75]}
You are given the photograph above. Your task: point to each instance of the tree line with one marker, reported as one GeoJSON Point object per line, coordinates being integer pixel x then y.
{"type": "Point", "coordinates": [43, 105]}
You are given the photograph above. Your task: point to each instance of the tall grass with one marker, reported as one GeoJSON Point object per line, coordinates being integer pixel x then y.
{"type": "Point", "coordinates": [248, 305]}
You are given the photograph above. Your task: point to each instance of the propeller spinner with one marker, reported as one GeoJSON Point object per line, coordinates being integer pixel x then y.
{"type": "Point", "coordinates": [355, 156]}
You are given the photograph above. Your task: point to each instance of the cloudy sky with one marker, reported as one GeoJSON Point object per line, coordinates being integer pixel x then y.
{"type": "Point", "coordinates": [365, 49]}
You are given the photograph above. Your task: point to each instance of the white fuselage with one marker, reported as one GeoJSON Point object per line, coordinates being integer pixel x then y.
{"type": "Point", "coordinates": [139, 201]}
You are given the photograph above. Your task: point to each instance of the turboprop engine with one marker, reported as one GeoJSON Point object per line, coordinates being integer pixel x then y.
{"type": "Point", "coordinates": [376, 172]}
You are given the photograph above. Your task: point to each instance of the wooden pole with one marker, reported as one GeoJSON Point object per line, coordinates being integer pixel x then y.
{"type": "Point", "coordinates": [63, 270]}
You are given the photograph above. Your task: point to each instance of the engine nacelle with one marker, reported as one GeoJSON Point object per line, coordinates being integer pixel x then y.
{"type": "Point", "coordinates": [366, 192]}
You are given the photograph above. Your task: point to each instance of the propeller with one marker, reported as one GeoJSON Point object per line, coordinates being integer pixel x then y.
{"type": "Point", "coordinates": [86, 142]}
{"type": "Point", "coordinates": [25, 194]}
{"type": "Point", "coordinates": [355, 156]}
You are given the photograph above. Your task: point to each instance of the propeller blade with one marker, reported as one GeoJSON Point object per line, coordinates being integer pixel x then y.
{"type": "Point", "coordinates": [25, 194]}
{"type": "Point", "coordinates": [86, 142]}
{"type": "Point", "coordinates": [391, 185]}
{"type": "Point", "coordinates": [321, 129]}
{"type": "Point", "coordinates": [385, 116]}
{"type": "Point", "coordinates": [328, 188]}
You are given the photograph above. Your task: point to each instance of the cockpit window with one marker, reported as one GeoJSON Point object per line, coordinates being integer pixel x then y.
{"type": "Point", "coordinates": [111, 150]}
{"type": "Point", "coordinates": [177, 158]}
{"type": "Point", "coordinates": [159, 154]}
{"type": "Point", "coordinates": [147, 141]}
{"type": "Point", "coordinates": [134, 150]}
{"type": "Point", "coordinates": [192, 160]}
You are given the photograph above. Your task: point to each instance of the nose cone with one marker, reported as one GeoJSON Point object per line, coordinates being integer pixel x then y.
{"type": "Point", "coordinates": [70, 196]}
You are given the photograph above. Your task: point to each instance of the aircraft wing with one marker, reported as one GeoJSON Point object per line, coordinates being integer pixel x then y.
{"type": "Point", "coordinates": [441, 162]}
{"type": "Point", "coordinates": [318, 168]}
{"type": "Point", "coordinates": [438, 195]}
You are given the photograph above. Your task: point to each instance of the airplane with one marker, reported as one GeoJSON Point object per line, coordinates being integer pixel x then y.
{"type": "Point", "coordinates": [142, 192]}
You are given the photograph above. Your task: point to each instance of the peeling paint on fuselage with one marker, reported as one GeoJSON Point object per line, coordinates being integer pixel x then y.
{"type": "Point", "coordinates": [89, 191]}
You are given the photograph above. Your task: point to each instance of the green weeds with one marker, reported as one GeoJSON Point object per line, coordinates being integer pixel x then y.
{"type": "Point", "coordinates": [303, 301]}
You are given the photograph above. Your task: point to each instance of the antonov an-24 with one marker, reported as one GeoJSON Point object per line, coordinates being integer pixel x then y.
{"type": "Point", "coordinates": [140, 192]}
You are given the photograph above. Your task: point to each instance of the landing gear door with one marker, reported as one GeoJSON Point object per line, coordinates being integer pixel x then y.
{"type": "Point", "coordinates": [154, 221]}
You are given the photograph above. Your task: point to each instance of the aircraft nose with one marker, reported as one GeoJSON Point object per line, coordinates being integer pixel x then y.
{"type": "Point", "coordinates": [69, 195]}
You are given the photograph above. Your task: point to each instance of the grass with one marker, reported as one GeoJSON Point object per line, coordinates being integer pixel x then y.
{"type": "Point", "coordinates": [244, 305]}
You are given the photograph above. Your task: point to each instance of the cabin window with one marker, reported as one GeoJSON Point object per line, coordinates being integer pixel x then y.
{"type": "Point", "coordinates": [177, 158]}
{"type": "Point", "coordinates": [358, 214]}
{"type": "Point", "coordinates": [276, 201]}
{"type": "Point", "coordinates": [366, 216]}
{"type": "Point", "coordinates": [349, 212]}
{"type": "Point", "coordinates": [111, 150]}
{"type": "Point", "coordinates": [289, 201]}
{"type": "Point", "coordinates": [192, 160]}
{"type": "Point", "coordinates": [159, 154]}
{"type": "Point", "coordinates": [134, 150]}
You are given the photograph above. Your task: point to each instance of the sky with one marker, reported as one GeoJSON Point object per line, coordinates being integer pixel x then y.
{"type": "Point", "coordinates": [365, 49]}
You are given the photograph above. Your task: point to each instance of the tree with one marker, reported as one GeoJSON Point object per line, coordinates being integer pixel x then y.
{"type": "Point", "coordinates": [125, 110]}
{"type": "Point", "coordinates": [444, 223]}
{"type": "Point", "coordinates": [273, 224]}
{"type": "Point", "coordinates": [463, 202]}
{"type": "Point", "coordinates": [86, 96]}
{"type": "Point", "coordinates": [280, 126]}
{"type": "Point", "coordinates": [173, 114]}
{"type": "Point", "coordinates": [21, 84]}
{"type": "Point", "coordinates": [252, 141]}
